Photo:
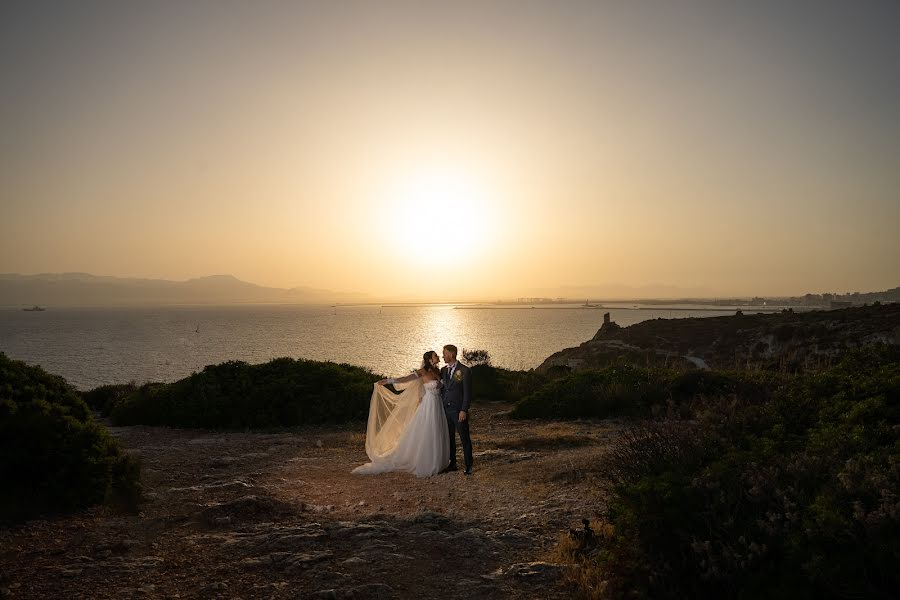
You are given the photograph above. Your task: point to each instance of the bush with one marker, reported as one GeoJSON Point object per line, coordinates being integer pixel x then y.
{"type": "Point", "coordinates": [701, 385]}
{"type": "Point", "coordinates": [53, 456]}
{"type": "Point", "coordinates": [502, 385]}
{"type": "Point", "coordinates": [610, 392]}
{"type": "Point", "coordinates": [790, 495]}
{"type": "Point", "coordinates": [476, 357]}
{"type": "Point", "coordinates": [106, 398]}
{"type": "Point", "coordinates": [626, 390]}
{"type": "Point", "coordinates": [280, 393]}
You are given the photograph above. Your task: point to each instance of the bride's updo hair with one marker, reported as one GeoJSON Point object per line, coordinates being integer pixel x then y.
{"type": "Point", "coordinates": [426, 363]}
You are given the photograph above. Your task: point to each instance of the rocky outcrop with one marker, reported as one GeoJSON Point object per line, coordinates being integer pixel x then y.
{"type": "Point", "coordinates": [786, 339]}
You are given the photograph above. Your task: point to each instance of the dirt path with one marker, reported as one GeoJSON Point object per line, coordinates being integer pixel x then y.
{"type": "Point", "coordinates": [278, 515]}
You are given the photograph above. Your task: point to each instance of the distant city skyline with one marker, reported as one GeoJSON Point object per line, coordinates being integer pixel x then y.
{"type": "Point", "coordinates": [435, 150]}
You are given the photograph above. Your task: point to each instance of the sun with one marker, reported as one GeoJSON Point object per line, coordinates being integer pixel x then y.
{"type": "Point", "coordinates": [448, 210]}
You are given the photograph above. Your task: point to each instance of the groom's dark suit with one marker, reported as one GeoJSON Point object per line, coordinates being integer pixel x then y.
{"type": "Point", "coordinates": [456, 396]}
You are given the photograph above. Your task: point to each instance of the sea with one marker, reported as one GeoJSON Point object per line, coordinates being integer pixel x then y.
{"type": "Point", "coordinates": [96, 346]}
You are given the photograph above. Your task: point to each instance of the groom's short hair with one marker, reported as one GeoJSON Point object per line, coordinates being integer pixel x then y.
{"type": "Point", "coordinates": [451, 349]}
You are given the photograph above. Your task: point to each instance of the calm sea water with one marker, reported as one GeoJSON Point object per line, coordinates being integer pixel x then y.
{"type": "Point", "coordinates": [94, 346]}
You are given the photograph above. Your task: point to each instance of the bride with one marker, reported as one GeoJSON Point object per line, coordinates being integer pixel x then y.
{"type": "Point", "coordinates": [408, 431]}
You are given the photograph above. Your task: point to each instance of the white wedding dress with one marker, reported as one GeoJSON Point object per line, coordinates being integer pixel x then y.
{"type": "Point", "coordinates": [407, 431]}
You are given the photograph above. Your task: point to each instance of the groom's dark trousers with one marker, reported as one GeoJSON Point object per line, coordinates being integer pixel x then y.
{"type": "Point", "coordinates": [462, 428]}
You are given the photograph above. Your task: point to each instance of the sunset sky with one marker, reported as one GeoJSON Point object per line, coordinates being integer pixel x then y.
{"type": "Point", "coordinates": [449, 150]}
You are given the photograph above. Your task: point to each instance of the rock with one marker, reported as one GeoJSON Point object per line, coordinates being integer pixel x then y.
{"type": "Point", "coordinates": [431, 520]}
{"type": "Point", "coordinates": [375, 591]}
{"type": "Point", "coordinates": [509, 456]}
{"type": "Point", "coordinates": [223, 486]}
{"type": "Point", "coordinates": [208, 441]}
{"type": "Point", "coordinates": [255, 562]}
{"type": "Point", "coordinates": [432, 536]}
{"type": "Point", "coordinates": [290, 542]}
{"type": "Point", "coordinates": [287, 561]}
{"type": "Point", "coordinates": [470, 536]}
{"type": "Point", "coordinates": [264, 539]}
{"type": "Point", "coordinates": [244, 509]}
{"type": "Point", "coordinates": [345, 529]}
{"type": "Point", "coordinates": [512, 537]}
{"type": "Point", "coordinates": [535, 571]}
{"type": "Point", "coordinates": [104, 550]}
{"type": "Point", "coordinates": [480, 589]}
{"type": "Point", "coordinates": [379, 547]}
{"type": "Point", "coordinates": [218, 586]}
{"type": "Point", "coordinates": [331, 579]}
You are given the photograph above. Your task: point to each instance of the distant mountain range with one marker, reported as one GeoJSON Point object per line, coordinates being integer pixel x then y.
{"type": "Point", "coordinates": [84, 289]}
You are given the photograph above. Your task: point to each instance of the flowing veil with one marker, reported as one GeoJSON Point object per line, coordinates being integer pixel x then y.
{"type": "Point", "coordinates": [389, 414]}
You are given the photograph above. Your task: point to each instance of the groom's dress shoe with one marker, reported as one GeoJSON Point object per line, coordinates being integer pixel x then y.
{"type": "Point", "coordinates": [468, 471]}
{"type": "Point", "coordinates": [450, 468]}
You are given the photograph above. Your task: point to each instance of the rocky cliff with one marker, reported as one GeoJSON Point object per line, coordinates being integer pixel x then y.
{"type": "Point", "coordinates": [788, 340]}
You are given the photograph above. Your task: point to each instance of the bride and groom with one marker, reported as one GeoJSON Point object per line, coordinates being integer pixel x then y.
{"type": "Point", "coordinates": [415, 428]}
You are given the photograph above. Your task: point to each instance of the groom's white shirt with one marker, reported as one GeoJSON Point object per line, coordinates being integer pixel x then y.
{"type": "Point", "coordinates": [450, 368]}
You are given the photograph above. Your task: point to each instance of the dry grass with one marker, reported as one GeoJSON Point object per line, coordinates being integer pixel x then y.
{"type": "Point", "coordinates": [584, 573]}
{"type": "Point", "coordinates": [544, 441]}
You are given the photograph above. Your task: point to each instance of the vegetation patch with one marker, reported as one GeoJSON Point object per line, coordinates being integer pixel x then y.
{"type": "Point", "coordinates": [54, 457]}
{"type": "Point", "coordinates": [283, 392]}
{"type": "Point", "coordinates": [790, 493]}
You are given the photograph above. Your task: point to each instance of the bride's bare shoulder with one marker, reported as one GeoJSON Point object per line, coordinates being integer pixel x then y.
{"type": "Point", "coordinates": [426, 375]}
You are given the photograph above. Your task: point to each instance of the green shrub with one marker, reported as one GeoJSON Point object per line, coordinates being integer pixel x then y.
{"type": "Point", "coordinates": [610, 392]}
{"type": "Point", "coordinates": [280, 393]}
{"type": "Point", "coordinates": [793, 494]}
{"type": "Point", "coordinates": [105, 398]}
{"type": "Point", "coordinates": [702, 385]}
{"type": "Point", "coordinates": [493, 384]}
{"type": "Point", "coordinates": [626, 390]}
{"type": "Point", "coordinates": [476, 357]}
{"type": "Point", "coordinates": [53, 456]}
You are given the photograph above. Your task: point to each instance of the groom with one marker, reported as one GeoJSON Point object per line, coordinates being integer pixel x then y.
{"type": "Point", "coordinates": [456, 395]}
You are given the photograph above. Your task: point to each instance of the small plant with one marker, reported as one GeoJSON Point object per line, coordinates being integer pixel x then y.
{"type": "Point", "coordinates": [476, 357]}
